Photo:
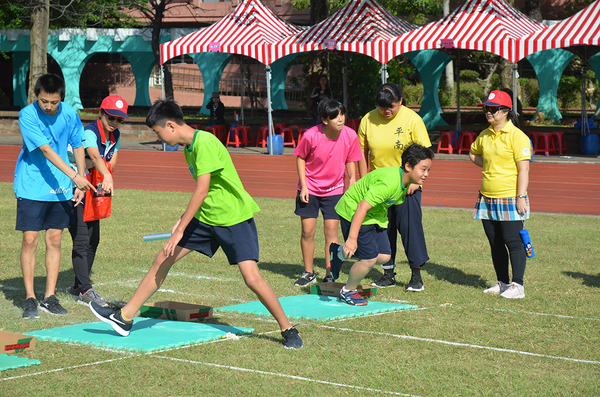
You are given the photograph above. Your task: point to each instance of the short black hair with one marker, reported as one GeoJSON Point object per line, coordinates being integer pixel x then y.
{"type": "Point", "coordinates": [50, 83]}
{"type": "Point", "coordinates": [163, 111]}
{"type": "Point", "coordinates": [414, 154]}
{"type": "Point", "coordinates": [387, 95]}
{"type": "Point", "coordinates": [329, 109]}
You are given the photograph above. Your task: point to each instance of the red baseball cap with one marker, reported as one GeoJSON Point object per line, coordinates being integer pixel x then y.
{"type": "Point", "coordinates": [115, 106]}
{"type": "Point", "coordinates": [498, 98]}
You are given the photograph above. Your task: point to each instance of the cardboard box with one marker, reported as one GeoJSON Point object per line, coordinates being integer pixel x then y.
{"type": "Point", "coordinates": [15, 343]}
{"type": "Point", "coordinates": [176, 311]}
{"type": "Point", "coordinates": [333, 289]}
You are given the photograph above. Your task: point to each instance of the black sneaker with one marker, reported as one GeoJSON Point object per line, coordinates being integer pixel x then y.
{"type": "Point", "coordinates": [335, 250]}
{"type": "Point", "coordinates": [30, 309]}
{"type": "Point", "coordinates": [52, 305]}
{"type": "Point", "coordinates": [328, 279]}
{"type": "Point", "coordinates": [387, 280]}
{"type": "Point", "coordinates": [415, 285]}
{"type": "Point", "coordinates": [112, 317]}
{"type": "Point", "coordinates": [305, 279]}
{"type": "Point", "coordinates": [291, 338]}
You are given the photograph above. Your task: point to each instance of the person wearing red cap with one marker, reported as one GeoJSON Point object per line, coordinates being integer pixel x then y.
{"type": "Point", "coordinates": [503, 152]}
{"type": "Point", "coordinates": [102, 142]}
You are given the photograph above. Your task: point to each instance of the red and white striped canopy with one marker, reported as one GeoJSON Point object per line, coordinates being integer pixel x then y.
{"type": "Point", "coordinates": [361, 26]}
{"type": "Point", "coordinates": [251, 29]}
{"type": "Point", "coordinates": [582, 28]}
{"type": "Point", "coordinates": [482, 25]}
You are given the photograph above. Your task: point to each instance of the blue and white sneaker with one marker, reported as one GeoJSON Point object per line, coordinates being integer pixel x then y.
{"type": "Point", "coordinates": [113, 317]}
{"type": "Point", "coordinates": [352, 298]}
{"type": "Point", "coordinates": [336, 257]}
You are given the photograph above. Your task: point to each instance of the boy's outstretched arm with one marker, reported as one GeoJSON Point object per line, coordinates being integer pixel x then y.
{"type": "Point", "coordinates": [202, 184]}
{"type": "Point", "coordinates": [357, 220]}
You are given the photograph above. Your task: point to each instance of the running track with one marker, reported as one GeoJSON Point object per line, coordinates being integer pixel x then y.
{"type": "Point", "coordinates": [553, 187]}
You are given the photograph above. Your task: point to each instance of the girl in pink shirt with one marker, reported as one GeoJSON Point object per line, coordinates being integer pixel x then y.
{"type": "Point", "coordinates": [322, 157]}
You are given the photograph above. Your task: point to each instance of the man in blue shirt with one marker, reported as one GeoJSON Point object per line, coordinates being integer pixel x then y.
{"type": "Point", "coordinates": [44, 184]}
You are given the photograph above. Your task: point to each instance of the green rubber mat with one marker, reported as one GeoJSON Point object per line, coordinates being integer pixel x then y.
{"type": "Point", "coordinates": [316, 307]}
{"type": "Point", "coordinates": [147, 334]}
{"type": "Point", "coordinates": [10, 362]}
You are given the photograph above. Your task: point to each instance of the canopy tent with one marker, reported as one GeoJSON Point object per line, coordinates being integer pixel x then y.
{"type": "Point", "coordinates": [361, 26]}
{"type": "Point", "coordinates": [482, 25]}
{"type": "Point", "coordinates": [579, 34]}
{"type": "Point", "coordinates": [251, 29]}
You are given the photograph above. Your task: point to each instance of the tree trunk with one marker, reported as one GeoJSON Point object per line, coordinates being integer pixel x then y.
{"type": "Point", "coordinates": [450, 66]}
{"type": "Point", "coordinates": [156, 27]}
{"type": "Point", "coordinates": [39, 45]}
{"type": "Point", "coordinates": [318, 61]}
{"type": "Point", "coordinates": [533, 11]}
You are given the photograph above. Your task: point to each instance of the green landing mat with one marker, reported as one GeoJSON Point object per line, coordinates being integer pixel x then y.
{"type": "Point", "coordinates": [316, 307]}
{"type": "Point", "coordinates": [11, 362]}
{"type": "Point", "coordinates": [147, 334]}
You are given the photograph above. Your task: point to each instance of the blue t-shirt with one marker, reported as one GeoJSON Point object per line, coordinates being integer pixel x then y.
{"type": "Point", "coordinates": [36, 178]}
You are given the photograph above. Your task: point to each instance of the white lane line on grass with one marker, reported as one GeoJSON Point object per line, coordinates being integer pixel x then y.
{"type": "Point", "coordinates": [498, 349]}
{"type": "Point", "coordinates": [201, 277]}
{"type": "Point", "coordinates": [286, 376]}
{"type": "Point", "coordinates": [67, 368]}
{"type": "Point", "coordinates": [546, 314]}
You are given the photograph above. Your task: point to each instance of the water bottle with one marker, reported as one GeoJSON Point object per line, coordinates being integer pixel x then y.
{"type": "Point", "coordinates": [527, 243]}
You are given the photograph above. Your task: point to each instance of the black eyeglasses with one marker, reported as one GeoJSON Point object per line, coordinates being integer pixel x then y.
{"type": "Point", "coordinates": [491, 109]}
{"type": "Point", "coordinates": [119, 120]}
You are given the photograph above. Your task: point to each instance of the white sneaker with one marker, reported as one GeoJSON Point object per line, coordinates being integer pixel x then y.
{"type": "Point", "coordinates": [514, 291]}
{"type": "Point", "coordinates": [497, 288]}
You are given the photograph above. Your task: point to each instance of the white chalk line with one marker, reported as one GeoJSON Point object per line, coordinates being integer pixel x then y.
{"type": "Point", "coordinates": [302, 378]}
{"type": "Point", "coordinates": [546, 314]}
{"type": "Point", "coordinates": [499, 349]}
{"type": "Point", "coordinates": [67, 368]}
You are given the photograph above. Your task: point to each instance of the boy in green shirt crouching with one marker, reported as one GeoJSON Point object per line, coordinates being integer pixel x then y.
{"type": "Point", "coordinates": [363, 217]}
{"type": "Point", "coordinates": [220, 214]}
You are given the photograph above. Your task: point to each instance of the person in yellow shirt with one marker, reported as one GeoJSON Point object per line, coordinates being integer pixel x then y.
{"type": "Point", "coordinates": [384, 134]}
{"type": "Point", "coordinates": [503, 152]}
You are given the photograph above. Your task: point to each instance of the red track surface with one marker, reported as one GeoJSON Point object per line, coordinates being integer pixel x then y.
{"type": "Point", "coordinates": [553, 188]}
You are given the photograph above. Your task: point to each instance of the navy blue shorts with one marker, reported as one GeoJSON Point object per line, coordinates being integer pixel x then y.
{"type": "Point", "coordinates": [239, 242]}
{"type": "Point", "coordinates": [372, 240]}
{"type": "Point", "coordinates": [43, 215]}
{"type": "Point", "coordinates": [311, 209]}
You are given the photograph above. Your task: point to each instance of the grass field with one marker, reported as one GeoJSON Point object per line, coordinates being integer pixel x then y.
{"type": "Point", "coordinates": [459, 342]}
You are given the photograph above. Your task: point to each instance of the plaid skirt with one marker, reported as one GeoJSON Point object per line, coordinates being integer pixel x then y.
{"type": "Point", "coordinates": [499, 209]}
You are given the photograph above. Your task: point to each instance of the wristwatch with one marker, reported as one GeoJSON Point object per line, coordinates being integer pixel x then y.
{"type": "Point", "coordinates": [521, 196]}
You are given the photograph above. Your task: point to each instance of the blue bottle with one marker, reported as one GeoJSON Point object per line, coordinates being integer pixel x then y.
{"type": "Point", "coordinates": [527, 243]}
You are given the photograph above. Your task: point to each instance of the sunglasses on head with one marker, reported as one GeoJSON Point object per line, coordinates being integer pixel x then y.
{"type": "Point", "coordinates": [492, 109]}
{"type": "Point", "coordinates": [119, 120]}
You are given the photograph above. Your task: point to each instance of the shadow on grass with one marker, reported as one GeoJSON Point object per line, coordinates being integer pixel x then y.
{"type": "Point", "coordinates": [14, 290]}
{"type": "Point", "coordinates": [587, 279]}
{"type": "Point", "coordinates": [293, 270]}
{"type": "Point", "coordinates": [454, 276]}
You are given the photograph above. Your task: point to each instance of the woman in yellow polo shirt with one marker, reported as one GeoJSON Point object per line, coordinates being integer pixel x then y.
{"type": "Point", "coordinates": [503, 152]}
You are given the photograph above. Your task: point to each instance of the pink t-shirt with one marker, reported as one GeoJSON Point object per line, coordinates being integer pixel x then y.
{"type": "Point", "coordinates": [326, 159]}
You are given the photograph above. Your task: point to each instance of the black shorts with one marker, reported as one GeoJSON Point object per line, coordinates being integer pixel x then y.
{"type": "Point", "coordinates": [35, 215]}
{"type": "Point", "coordinates": [311, 209]}
{"type": "Point", "coordinates": [239, 242]}
{"type": "Point", "coordinates": [372, 240]}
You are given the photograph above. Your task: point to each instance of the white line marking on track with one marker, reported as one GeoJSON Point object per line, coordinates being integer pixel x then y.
{"type": "Point", "coordinates": [546, 314]}
{"type": "Point", "coordinates": [499, 349]}
{"type": "Point", "coordinates": [66, 368]}
{"type": "Point", "coordinates": [287, 376]}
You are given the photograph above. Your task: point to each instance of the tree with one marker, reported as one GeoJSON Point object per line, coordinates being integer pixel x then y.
{"type": "Point", "coordinates": [40, 15]}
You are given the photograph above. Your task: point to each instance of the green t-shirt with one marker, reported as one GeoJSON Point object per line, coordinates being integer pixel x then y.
{"type": "Point", "coordinates": [227, 203]}
{"type": "Point", "coordinates": [381, 188]}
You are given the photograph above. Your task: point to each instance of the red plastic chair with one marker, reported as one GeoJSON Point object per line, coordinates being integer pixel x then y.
{"type": "Point", "coordinates": [546, 144]}
{"type": "Point", "coordinates": [287, 134]}
{"type": "Point", "coordinates": [533, 136]}
{"type": "Point", "coordinates": [353, 123]}
{"type": "Point", "coordinates": [215, 131]}
{"type": "Point", "coordinates": [222, 131]}
{"type": "Point", "coordinates": [561, 142]}
{"type": "Point", "coordinates": [465, 140]}
{"type": "Point", "coordinates": [445, 143]}
{"type": "Point", "coordinates": [196, 126]}
{"type": "Point", "coordinates": [238, 135]}
{"type": "Point", "coordinates": [263, 133]}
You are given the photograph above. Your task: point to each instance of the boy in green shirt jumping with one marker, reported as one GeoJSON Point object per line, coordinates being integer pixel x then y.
{"type": "Point", "coordinates": [220, 214]}
{"type": "Point", "coordinates": [363, 217]}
